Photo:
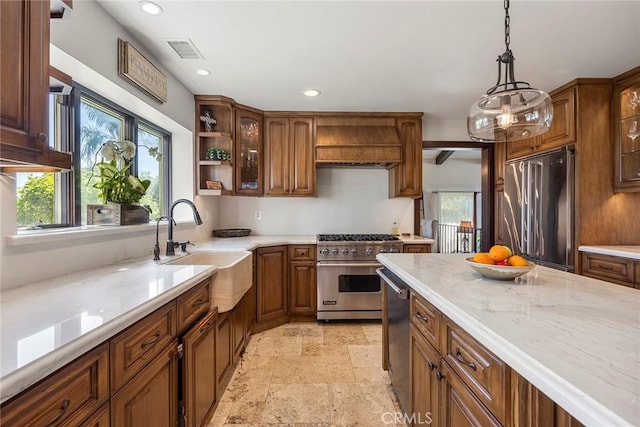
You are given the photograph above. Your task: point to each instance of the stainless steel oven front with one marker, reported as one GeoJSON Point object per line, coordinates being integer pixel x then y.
{"type": "Point", "coordinates": [349, 290]}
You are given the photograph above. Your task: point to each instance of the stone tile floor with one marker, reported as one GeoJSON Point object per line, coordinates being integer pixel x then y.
{"type": "Point", "coordinates": [311, 375]}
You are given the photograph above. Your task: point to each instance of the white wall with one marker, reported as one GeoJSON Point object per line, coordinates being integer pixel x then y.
{"type": "Point", "coordinates": [348, 201]}
{"type": "Point", "coordinates": [89, 36]}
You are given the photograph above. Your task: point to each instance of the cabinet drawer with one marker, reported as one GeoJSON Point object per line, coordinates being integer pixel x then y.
{"type": "Point", "coordinates": [426, 318]}
{"type": "Point", "coordinates": [133, 349]}
{"type": "Point", "coordinates": [609, 268]}
{"type": "Point", "coordinates": [193, 304]}
{"type": "Point", "coordinates": [484, 373]}
{"type": "Point", "coordinates": [65, 398]}
{"type": "Point", "coordinates": [302, 252]}
{"type": "Point", "coordinates": [413, 248]}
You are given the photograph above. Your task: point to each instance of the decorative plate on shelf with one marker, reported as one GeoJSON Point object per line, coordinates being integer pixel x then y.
{"type": "Point", "coordinates": [500, 272]}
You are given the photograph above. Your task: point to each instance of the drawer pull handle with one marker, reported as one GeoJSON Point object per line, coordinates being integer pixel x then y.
{"type": "Point", "coordinates": [464, 362]}
{"type": "Point", "coordinates": [439, 375]}
{"type": "Point", "coordinates": [421, 317]}
{"type": "Point", "coordinates": [63, 409]}
{"type": "Point", "coordinates": [205, 328]}
{"type": "Point", "coordinates": [152, 341]}
{"type": "Point", "coordinates": [432, 365]}
{"type": "Point", "coordinates": [605, 267]}
{"type": "Point", "coordinates": [199, 302]}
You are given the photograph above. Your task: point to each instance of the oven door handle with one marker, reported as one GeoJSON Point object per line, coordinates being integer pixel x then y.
{"type": "Point", "coordinates": [401, 293]}
{"type": "Point", "coordinates": [344, 264]}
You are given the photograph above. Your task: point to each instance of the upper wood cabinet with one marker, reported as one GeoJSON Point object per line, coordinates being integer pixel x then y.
{"type": "Point", "coordinates": [405, 180]}
{"type": "Point", "coordinates": [562, 131]}
{"type": "Point", "coordinates": [248, 152]}
{"type": "Point", "coordinates": [289, 158]}
{"type": "Point", "coordinates": [24, 42]}
{"type": "Point", "coordinates": [214, 129]}
{"type": "Point", "coordinates": [626, 131]}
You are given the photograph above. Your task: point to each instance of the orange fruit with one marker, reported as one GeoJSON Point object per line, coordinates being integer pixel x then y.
{"type": "Point", "coordinates": [483, 258]}
{"type": "Point", "coordinates": [517, 261]}
{"type": "Point", "coordinates": [498, 253]}
{"type": "Point", "coordinates": [509, 251]}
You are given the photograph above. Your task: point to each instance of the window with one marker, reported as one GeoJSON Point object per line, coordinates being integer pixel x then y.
{"type": "Point", "coordinates": [459, 221]}
{"type": "Point", "coordinates": [83, 122]}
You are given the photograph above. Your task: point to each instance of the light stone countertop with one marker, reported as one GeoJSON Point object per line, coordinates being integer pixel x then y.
{"type": "Point", "coordinates": [575, 338]}
{"type": "Point", "coordinates": [632, 252]}
{"type": "Point", "coordinates": [45, 325]}
{"type": "Point", "coordinates": [416, 240]}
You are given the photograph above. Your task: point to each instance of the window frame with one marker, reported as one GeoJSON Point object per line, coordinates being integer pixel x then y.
{"type": "Point", "coordinates": [131, 123]}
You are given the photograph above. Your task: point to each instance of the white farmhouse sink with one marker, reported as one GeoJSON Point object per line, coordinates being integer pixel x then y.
{"type": "Point", "coordinates": [234, 275]}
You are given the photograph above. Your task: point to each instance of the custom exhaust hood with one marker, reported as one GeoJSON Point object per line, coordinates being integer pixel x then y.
{"type": "Point", "coordinates": [357, 142]}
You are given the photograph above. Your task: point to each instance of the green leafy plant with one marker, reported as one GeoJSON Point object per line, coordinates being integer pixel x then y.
{"type": "Point", "coordinates": [116, 184]}
{"type": "Point", "coordinates": [214, 153]}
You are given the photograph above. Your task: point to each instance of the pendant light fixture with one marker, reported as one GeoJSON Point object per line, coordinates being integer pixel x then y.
{"type": "Point", "coordinates": [510, 110]}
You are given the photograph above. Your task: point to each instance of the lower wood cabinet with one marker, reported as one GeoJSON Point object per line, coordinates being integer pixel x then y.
{"type": "Point", "coordinates": [619, 270]}
{"type": "Point", "coordinates": [303, 292]}
{"type": "Point", "coordinates": [151, 397]}
{"type": "Point", "coordinates": [272, 289]}
{"type": "Point", "coordinates": [100, 418]}
{"type": "Point", "coordinates": [66, 398]}
{"type": "Point", "coordinates": [224, 351]}
{"type": "Point", "coordinates": [416, 248]}
{"type": "Point", "coordinates": [198, 371]}
{"type": "Point", "coordinates": [456, 381]}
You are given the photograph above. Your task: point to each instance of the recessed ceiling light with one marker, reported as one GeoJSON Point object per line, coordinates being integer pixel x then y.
{"type": "Point", "coordinates": [311, 92]}
{"type": "Point", "coordinates": [150, 7]}
{"type": "Point", "coordinates": [202, 72]}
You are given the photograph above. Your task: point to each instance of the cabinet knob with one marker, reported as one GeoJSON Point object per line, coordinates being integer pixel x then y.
{"type": "Point", "coordinates": [41, 137]}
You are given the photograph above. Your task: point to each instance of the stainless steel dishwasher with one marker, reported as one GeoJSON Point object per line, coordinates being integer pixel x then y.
{"type": "Point", "coordinates": [397, 308]}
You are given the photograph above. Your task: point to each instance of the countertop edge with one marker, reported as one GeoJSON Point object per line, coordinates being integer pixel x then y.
{"type": "Point", "coordinates": [31, 373]}
{"type": "Point", "coordinates": [627, 251]}
{"type": "Point", "coordinates": [584, 408]}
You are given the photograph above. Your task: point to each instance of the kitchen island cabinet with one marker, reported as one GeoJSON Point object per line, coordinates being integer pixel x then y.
{"type": "Point", "coordinates": [544, 334]}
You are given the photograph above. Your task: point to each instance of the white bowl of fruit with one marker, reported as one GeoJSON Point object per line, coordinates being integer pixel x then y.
{"type": "Point", "coordinates": [500, 263]}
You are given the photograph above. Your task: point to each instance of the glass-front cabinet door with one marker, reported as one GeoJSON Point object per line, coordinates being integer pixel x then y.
{"type": "Point", "coordinates": [248, 156]}
{"type": "Point", "coordinates": [627, 133]}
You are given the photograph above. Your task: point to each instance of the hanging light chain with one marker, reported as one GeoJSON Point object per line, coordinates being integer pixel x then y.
{"type": "Point", "coordinates": [507, 25]}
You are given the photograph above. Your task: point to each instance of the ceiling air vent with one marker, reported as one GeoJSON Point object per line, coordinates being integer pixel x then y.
{"type": "Point", "coordinates": [185, 48]}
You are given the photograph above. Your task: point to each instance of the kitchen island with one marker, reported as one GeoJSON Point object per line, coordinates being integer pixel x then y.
{"type": "Point", "coordinates": [576, 339]}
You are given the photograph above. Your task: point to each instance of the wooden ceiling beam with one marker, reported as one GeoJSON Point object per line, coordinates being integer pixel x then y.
{"type": "Point", "coordinates": [443, 156]}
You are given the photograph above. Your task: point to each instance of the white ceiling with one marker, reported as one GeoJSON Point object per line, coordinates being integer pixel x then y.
{"type": "Point", "coordinates": [437, 57]}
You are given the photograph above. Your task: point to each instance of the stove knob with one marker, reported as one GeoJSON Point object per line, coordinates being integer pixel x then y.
{"type": "Point", "coordinates": [334, 251]}
{"type": "Point", "coordinates": [369, 251]}
{"type": "Point", "coordinates": [354, 251]}
{"type": "Point", "coordinates": [345, 251]}
{"type": "Point", "coordinates": [324, 251]}
{"type": "Point", "coordinates": [383, 250]}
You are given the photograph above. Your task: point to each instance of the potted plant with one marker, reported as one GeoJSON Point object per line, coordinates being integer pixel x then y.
{"type": "Point", "coordinates": [120, 191]}
{"type": "Point", "coordinates": [214, 153]}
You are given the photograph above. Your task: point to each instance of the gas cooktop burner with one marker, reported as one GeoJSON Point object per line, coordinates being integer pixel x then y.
{"type": "Point", "coordinates": [356, 237]}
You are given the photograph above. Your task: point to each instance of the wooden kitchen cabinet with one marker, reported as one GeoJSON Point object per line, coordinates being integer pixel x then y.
{"type": "Point", "coordinates": [425, 389]}
{"type": "Point", "coordinates": [248, 152]}
{"type": "Point", "coordinates": [24, 42]}
{"type": "Point", "coordinates": [289, 157]}
{"type": "Point", "coordinates": [66, 398]}
{"type": "Point", "coordinates": [238, 329]}
{"type": "Point", "coordinates": [499, 159]}
{"type": "Point", "coordinates": [626, 131]}
{"type": "Point", "coordinates": [302, 282]}
{"type": "Point", "coordinates": [219, 135]}
{"type": "Point", "coordinates": [405, 180]}
{"type": "Point", "coordinates": [151, 397]}
{"type": "Point", "coordinates": [561, 133]}
{"type": "Point", "coordinates": [198, 371]}
{"type": "Point", "coordinates": [619, 270]}
{"type": "Point", "coordinates": [224, 351]}
{"type": "Point", "coordinates": [416, 248]}
{"type": "Point", "coordinates": [193, 304]}
{"type": "Point", "coordinates": [272, 287]}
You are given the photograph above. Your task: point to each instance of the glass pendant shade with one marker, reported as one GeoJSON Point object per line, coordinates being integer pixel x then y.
{"type": "Point", "coordinates": [510, 115]}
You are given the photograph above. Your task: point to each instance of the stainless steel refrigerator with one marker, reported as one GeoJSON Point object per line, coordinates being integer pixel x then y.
{"type": "Point", "coordinates": [539, 208]}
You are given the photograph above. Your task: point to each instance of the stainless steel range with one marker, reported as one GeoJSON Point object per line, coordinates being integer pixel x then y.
{"type": "Point", "coordinates": [348, 286]}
